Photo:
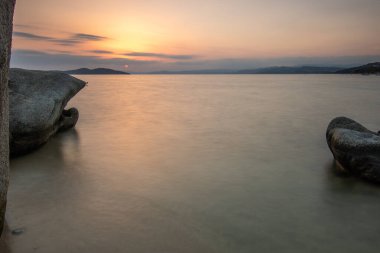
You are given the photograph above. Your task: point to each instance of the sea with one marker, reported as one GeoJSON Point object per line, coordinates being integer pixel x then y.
{"type": "Point", "coordinates": [198, 163]}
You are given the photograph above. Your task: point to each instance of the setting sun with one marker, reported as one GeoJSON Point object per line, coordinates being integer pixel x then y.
{"type": "Point", "coordinates": [189, 126]}
{"type": "Point", "coordinates": [212, 32]}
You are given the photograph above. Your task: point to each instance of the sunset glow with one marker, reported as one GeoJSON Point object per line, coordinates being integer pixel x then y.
{"type": "Point", "coordinates": [154, 35]}
{"type": "Point", "coordinates": [189, 126]}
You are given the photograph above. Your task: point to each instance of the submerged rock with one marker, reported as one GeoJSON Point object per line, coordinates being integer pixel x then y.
{"type": "Point", "coordinates": [36, 110]}
{"type": "Point", "coordinates": [355, 148]}
{"type": "Point", "coordinates": [17, 231]}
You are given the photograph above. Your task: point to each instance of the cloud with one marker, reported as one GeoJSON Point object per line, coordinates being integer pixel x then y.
{"type": "Point", "coordinates": [31, 36]}
{"type": "Point", "coordinates": [73, 39]}
{"type": "Point", "coordinates": [24, 26]}
{"type": "Point", "coordinates": [100, 52]}
{"type": "Point", "coordinates": [162, 56]}
{"type": "Point", "coordinates": [66, 42]}
{"type": "Point", "coordinates": [88, 37]}
{"type": "Point", "coordinates": [32, 59]}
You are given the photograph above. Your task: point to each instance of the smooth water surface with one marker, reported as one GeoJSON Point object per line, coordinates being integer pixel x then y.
{"type": "Point", "coordinates": [215, 163]}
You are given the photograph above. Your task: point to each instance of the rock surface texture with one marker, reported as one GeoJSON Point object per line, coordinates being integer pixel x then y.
{"type": "Point", "coordinates": [355, 148]}
{"type": "Point", "coordinates": [37, 101]}
{"type": "Point", "coordinates": [6, 20]}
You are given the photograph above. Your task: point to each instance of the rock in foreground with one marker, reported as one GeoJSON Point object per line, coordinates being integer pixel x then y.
{"type": "Point", "coordinates": [355, 148]}
{"type": "Point", "coordinates": [37, 101]}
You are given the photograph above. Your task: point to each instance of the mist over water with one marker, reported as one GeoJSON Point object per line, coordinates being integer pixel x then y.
{"type": "Point", "coordinates": [216, 163]}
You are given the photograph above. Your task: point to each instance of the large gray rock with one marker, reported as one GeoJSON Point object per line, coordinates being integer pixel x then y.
{"type": "Point", "coordinates": [355, 148]}
{"type": "Point", "coordinates": [37, 102]}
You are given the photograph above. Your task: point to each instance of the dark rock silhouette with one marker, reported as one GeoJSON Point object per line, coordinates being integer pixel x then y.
{"type": "Point", "coordinates": [37, 102]}
{"type": "Point", "coordinates": [368, 69]}
{"type": "Point", "coordinates": [98, 71]}
{"type": "Point", "coordinates": [355, 148]}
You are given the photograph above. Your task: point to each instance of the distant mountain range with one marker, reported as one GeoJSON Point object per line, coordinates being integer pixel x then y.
{"type": "Point", "coordinates": [268, 70]}
{"type": "Point", "coordinates": [291, 70]}
{"type": "Point", "coordinates": [371, 68]}
{"type": "Point", "coordinates": [98, 71]}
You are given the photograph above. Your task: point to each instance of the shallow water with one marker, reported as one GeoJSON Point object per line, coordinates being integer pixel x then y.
{"type": "Point", "coordinates": [216, 163]}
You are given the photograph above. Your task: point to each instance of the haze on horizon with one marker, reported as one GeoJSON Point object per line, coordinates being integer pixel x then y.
{"type": "Point", "coordinates": [154, 35]}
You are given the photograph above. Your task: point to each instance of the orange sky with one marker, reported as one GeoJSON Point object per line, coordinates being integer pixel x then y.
{"type": "Point", "coordinates": [153, 32]}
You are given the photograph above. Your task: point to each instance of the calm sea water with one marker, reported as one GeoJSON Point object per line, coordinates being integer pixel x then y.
{"type": "Point", "coordinates": [212, 163]}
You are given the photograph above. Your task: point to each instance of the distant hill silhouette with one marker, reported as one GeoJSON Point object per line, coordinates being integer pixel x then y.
{"type": "Point", "coordinates": [97, 71]}
{"type": "Point", "coordinates": [268, 70]}
{"type": "Point", "coordinates": [370, 68]}
{"type": "Point", "coordinates": [291, 70]}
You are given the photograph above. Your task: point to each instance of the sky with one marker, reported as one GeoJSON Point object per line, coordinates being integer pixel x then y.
{"type": "Point", "coordinates": [154, 35]}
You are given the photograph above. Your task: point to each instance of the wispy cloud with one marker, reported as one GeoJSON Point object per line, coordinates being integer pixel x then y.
{"type": "Point", "coordinates": [32, 59]}
{"type": "Point", "coordinates": [23, 26]}
{"type": "Point", "coordinates": [162, 56]}
{"type": "Point", "coordinates": [66, 42]}
{"type": "Point", "coordinates": [100, 52]}
{"type": "Point", "coordinates": [88, 37]}
{"type": "Point", "coordinates": [31, 36]}
{"type": "Point", "coordinates": [73, 39]}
